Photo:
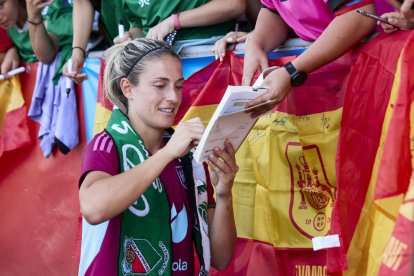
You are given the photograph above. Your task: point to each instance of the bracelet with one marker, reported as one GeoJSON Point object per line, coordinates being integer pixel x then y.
{"type": "Point", "coordinates": [35, 23]}
{"type": "Point", "coordinates": [175, 21]}
{"type": "Point", "coordinates": [82, 50]}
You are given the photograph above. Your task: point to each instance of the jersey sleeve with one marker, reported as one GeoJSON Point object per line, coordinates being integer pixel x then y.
{"type": "Point", "coordinates": [100, 155]}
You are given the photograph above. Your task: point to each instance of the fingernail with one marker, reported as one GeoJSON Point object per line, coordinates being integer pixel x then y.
{"type": "Point", "coordinates": [230, 39]}
{"type": "Point", "coordinates": [216, 56]}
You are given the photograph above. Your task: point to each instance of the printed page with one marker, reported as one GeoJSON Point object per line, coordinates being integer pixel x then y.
{"type": "Point", "coordinates": [234, 126]}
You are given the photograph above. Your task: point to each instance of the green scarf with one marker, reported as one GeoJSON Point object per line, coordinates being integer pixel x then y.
{"type": "Point", "coordinates": [147, 249]}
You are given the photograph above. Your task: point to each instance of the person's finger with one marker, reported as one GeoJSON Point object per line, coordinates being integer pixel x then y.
{"type": "Point", "coordinates": [229, 148]}
{"type": "Point", "coordinates": [407, 10]}
{"type": "Point", "coordinates": [15, 64]}
{"type": "Point", "coordinates": [242, 38]}
{"type": "Point", "coordinates": [220, 164]}
{"type": "Point", "coordinates": [264, 63]}
{"type": "Point", "coordinates": [80, 77]}
{"type": "Point", "coordinates": [248, 73]}
{"type": "Point", "coordinates": [220, 49]}
{"type": "Point", "coordinates": [228, 156]}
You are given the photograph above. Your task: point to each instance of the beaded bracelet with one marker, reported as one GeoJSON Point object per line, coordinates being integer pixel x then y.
{"type": "Point", "coordinates": [80, 48]}
{"type": "Point", "coordinates": [35, 23]}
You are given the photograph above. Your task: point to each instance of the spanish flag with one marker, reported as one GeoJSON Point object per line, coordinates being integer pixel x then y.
{"type": "Point", "coordinates": [374, 161]}
{"type": "Point", "coordinates": [103, 105]}
{"type": "Point", "coordinates": [285, 188]}
{"type": "Point", "coordinates": [14, 131]}
{"type": "Point", "coordinates": [396, 167]}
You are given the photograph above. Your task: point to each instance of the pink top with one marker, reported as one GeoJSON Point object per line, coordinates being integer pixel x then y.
{"type": "Point", "coordinates": [308, 20]}
{"type": "Point", "coordinates": [311, 19]}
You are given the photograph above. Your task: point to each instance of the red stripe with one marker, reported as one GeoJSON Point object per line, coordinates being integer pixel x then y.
{"type": "Point", "coordinates": [15, 132]}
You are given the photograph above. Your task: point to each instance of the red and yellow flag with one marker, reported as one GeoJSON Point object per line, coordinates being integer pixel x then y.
{"type": "Point", "coordinates": [285, 188]}
{"type": "Point", "coordinates": [14, 131]}
{"type": "Point", "coordinates": [372, 156]}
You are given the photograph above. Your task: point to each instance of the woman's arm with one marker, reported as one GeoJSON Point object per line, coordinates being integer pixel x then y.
{"type": "Point", "coordinates": [83, 13]}
{"type": "Point", "coordinates": [221, 219]}
{"type": "Point", "coordinates": [270, 32]}
{"type": "Point", "coordinates": [344, 32]}
{"type": "Point", "coordinates": [213, 12]}
{"type": "Point", "coordinates": [45, 45]}
{"type": "Point", "coordinates": [103, 196]}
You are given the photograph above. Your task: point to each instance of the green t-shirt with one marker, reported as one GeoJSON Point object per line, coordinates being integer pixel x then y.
{"type": "Point", "coordinates": [58, 19]}
{"type": "Point", "coordinates": [111, 15]}
{"type": "Point", "coordinates": [145, 14]}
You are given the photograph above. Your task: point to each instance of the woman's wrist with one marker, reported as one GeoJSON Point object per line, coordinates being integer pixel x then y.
{"type": "Point", "coordinates": [176, 21]}
{"type": "Point", "coordinates": [224, 196]}
{"type": "Point", "coordinates": [35, 20]}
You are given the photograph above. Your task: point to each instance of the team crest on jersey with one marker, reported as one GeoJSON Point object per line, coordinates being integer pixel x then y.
{"type": "Point", "coordinates": [141, 257]}
{"type": "Point", "coordinates": [312, 195]}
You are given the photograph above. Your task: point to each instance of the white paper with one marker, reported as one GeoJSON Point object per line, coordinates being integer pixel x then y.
{"type": "Point", "coordinates": [324, 242]}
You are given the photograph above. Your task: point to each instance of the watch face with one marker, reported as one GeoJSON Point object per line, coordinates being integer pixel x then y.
{"type": "Point", "coordinates": [299, 78]}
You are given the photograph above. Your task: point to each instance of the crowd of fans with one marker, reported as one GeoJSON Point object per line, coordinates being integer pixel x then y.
{"type": "Point", "coordinates": [57, 34]}
{"type": "Point", "coordinates": [36, 30]}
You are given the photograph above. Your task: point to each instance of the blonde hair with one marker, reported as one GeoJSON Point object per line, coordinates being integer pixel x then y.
{"type": "Point", "coordinates": [127, 60]}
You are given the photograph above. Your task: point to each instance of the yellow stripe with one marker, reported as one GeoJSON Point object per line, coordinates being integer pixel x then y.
{"type": "Point", "coordinates": [102, 116]}
{"type": "Point", "coordinates": [11, 97]}
{"type": "Point", "coordinates": [374, 226]}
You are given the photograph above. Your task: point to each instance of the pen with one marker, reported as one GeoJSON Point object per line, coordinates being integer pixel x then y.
{"type": "Point", "coordinates": [68, 80]}
{"type": "Point", "coordinates": [373, 16]}
{"type": "Point", "coordinates": [15, 72]}
{"type": "Point", "coordinates": [121, 29]}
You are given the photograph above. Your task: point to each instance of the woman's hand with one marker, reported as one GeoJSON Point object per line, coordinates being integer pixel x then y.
{"type": "Point", "coordinates": [220, 46]}
{"type": "Point", "coordinates": [162, 29]}
{"type": "Point", "coordinates": [78, 61]}
{"type": "Point", "coordinates": [34, 9]}
{"type": "Point", "coordinates": [186, 136]}
{"type": "Point", "coordinates": [397, 22]}
{"type": "Point", "coordinates": [127, 37]}
{"type": "Point", "coordinates": [278, 85]}
{"type": "Point", "coordinates": [405, 8]}
{"type": "Point", "coordinates": [254, 59]}
{"type": "Point", "coordinates": [11, 61]}
{"type": "Point", "coordinates": [223, 169]}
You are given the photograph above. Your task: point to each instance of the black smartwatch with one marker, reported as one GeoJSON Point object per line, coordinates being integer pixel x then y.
{"type": "Point", "coordinates": [297, 78]}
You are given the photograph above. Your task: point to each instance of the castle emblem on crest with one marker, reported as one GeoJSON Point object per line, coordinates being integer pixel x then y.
{"type": "Point", "coordinates": [312, 191]}
{"type": "Point", "coordinates": [312, 195]}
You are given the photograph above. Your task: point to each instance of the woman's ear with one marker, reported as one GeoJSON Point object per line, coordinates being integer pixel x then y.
{"type": "Point", "coordinates": [126, 88]}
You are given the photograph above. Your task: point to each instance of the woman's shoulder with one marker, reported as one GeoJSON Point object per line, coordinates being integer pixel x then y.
{"type": "Point", "coordinates": [102, 141]}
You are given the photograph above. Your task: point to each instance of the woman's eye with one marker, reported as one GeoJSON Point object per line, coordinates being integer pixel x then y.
{"type": "Point", "coordinates": [159, 86]}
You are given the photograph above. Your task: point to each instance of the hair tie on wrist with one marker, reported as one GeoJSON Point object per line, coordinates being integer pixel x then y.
{"type": "Point", "coordinates": [176, 21]}
{"type": "Point", "coordinates": [80, 48]}
{"type": "Point", "coordinates": [35, 23]}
